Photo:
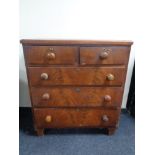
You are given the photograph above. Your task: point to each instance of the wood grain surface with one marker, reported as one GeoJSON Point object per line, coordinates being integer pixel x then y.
{"type": "Point", "coordinates": [76, 76]}
{"type": "Point", "coordinates": [115, 55]}
{"type": "Point", "coordinates": [38, 55]}
{"type": "Point", "coordinates": [75, 117]}
{"type": "Point", "coordinates": [76, 83]}
{"type": "Point", "coordinates": [76, 96]}
{"type": "Point", "coordinates": [76, 42]}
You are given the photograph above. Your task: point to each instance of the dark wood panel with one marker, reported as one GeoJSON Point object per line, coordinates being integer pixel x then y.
{"type": "Point", "coordinates": [104, 55]}
{"type": "Point", "coordinates": [76, 76]}
{"type": "Point", "coordinates": [47, 55]}
{"type": "Point", "coordinates": [83, 117]}
{"type": "Point", "coordinates": [76, 42]}
{"type": "Point", "coordinates": [76, 96]}
{"type": "Point", "coordinates": [76, 83]}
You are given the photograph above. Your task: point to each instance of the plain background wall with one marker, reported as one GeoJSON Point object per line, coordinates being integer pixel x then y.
{"type": "Point", "coordinates": [77, 19]}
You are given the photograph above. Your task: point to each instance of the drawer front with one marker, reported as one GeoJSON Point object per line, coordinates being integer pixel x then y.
{"type": "Point", "coordinates": [48, 76]}
{"type": "Point", "coordinates": [104, 55]}
{"type": "Point", "coordinates": [45, 55]}
{"type": "Point", "coordinates": [75, 117]}
{"type": "Point", "coordinates": [76, 96]}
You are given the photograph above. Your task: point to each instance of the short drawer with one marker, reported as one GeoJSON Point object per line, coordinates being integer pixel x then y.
{"type": "Point", "coordinates": [104, 55]}
{"type": "Point", "coordinates": [76, 96]}
{"type": "Point", "coordinates": [49, 76]}
{"type": "Point", "coordinates": [75, 117]}
{"type": "Point", "coordinates": [46, 55]}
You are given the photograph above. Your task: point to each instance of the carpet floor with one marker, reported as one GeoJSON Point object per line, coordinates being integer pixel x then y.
{"type": "Point", "coordinates": [78, 141]}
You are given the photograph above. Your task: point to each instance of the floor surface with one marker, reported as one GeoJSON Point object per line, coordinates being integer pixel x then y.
{"type": "Point", "coordinates": [78, 141]}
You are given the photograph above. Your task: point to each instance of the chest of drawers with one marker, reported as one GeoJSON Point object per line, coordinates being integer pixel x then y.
{"type": "Point", "coordinates": [76, 83]}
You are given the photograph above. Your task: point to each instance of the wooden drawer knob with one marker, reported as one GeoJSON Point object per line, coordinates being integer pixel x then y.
{"type": "Point", "coordinates": [103, 55]}
{"type": "Point", "coordinates": [46, 96]}
{"type": "Point", "coordinates": [107, 98]}
{"type": "Point", "coordinates": [44, 76]}
{"type": "Point", "coordinates": [110, 77]}
{"type": "Point", "coordinates": [105, 118]}
{"type": "Point", "coordinates": [50, 56]}
{"type": "Point", "coordinates": [48, 118]}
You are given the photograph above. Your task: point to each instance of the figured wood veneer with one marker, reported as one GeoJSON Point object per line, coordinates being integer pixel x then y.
{"type": "Point", "coordinates": [76, 83]}
{"type": "Point", "coordinates": [76, 76]}
{"type": "Point", "coordinates": [76, 96]}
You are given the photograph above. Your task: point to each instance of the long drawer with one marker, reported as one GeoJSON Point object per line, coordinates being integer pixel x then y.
{"type": "Point", "coordinates": [76, 96]}
{"type": "Point", "coordinates": [49, 76]}
{"type": "Point", "coordinates": [75, 117]}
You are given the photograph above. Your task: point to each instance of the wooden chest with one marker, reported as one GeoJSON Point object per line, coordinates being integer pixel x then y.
{"type": "Point", "coordinates": [76, 83]}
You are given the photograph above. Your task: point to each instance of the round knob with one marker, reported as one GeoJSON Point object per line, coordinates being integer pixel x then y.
{"type": "Point", "coordinates": [48, 118]}
{"type": "Point", "coordinates": [46, 96]}
{"type": "Point", "coordinates": [51, 56]}
{"type": "Point", "coordinates": [44, 76]}
{"type": "Point", "coordinates": [105, 118]}
{"type": "Point", "coordinates": [110, 77]}
{"type": "Point", "coordinates": [107, 98]}
{"type": "Point", "coordinates": [104, 55]}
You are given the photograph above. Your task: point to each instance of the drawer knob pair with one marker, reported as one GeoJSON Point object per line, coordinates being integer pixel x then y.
{"type": "Point", "coordinates": [46, 96]}
{"type": "Point", "coordinates": [48, 118]}
{"type": "Point", "coordinates": [110, 77]}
